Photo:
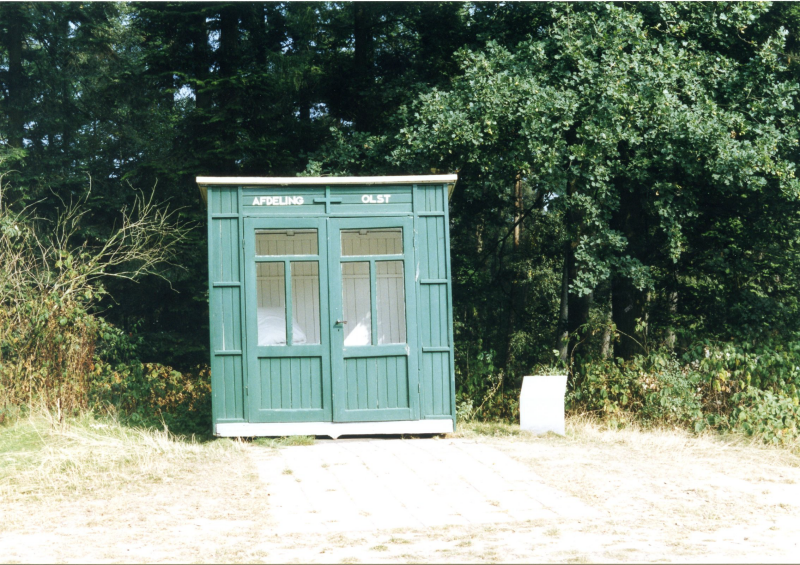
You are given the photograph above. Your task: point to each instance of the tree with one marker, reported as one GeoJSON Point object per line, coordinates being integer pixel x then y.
{"type": "Point", "coordinates": [633, 126]}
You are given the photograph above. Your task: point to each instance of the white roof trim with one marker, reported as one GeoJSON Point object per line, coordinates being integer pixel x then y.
{"type": "Point", "coordinates": [270, 181]}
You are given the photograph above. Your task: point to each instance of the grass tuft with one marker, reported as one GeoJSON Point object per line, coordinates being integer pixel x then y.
{"type": "Point", "coordinates": [277, 442]}
{"type": "Point", "coordinates": [40, 456]}
{"type": "Point", "coordinates": [491, 429]}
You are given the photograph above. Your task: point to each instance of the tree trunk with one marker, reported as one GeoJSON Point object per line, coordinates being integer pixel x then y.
{"type": "Point", "coordinates": [517, 298]}
{"type": "Point", "coordinates": [562, 332]}
{"type": "Point", "coordinates": [578, 315]}
{"type": "Point", "coordinates": [627, 304]}
{"type": "Point", "coordinates": [606, 345]}
{"type": "Point", "coordinates": [517, 209]}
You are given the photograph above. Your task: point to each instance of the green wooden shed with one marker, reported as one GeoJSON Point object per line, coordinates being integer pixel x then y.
{"type": "Point", "coordinates": [331, 306]}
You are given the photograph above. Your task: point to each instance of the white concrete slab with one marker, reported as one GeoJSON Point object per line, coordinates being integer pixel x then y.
{"type": "Point", "coordinates": [334, 429]}
{"type": "Point", "coordinates": [378, 484]}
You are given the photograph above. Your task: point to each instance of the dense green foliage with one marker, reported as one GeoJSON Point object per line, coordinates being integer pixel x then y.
{"type": "Point", "coordinates": [627, 191]}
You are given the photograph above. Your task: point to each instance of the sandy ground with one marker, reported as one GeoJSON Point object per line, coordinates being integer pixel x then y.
{"type": "Point", "coordinates": [632, 496]}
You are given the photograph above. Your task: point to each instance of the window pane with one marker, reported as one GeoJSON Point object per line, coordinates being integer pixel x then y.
{"type": "Point", "coordinates": [286, 242]}
{"type": "Point", "coordinates": [391, 302]}
{"type": "Point", "coordinates": [305, 302]}
{"type": "Point", "coordinates": [271, 295]}
{"type": "Point", "coordinates": [384, 241]}
{"type": "Point", "coordinates": [356, 304]}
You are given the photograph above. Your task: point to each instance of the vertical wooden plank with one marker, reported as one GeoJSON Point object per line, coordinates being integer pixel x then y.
{"type": "Point", "coordinates": [294, 379]}
{"type": "Point", "coordinates": [390, 376]}
{"type": "Point", "coordinates": [440, 246]}
{"type": "Point", "coordinates": [265, 400]}
{"type": "Point", "coordinates": [235, 249]}
{"type": "Point", "coordinates": [363, 383]}
{"type": "Point", "coordinates": [448, 274]}
{"type": "Point", "coordinates": [275, 381]}
{"type": "Point", "coordinates": [402, 372]}
{"type": "Point", "coordinates": [316, 383]}
{"type": "Point", "coordinates": [224, 202]}
{"type": "Point", "coordinates": [238, 386]}
{"type": "Point", "coordinates": [230, 386]}
{"type": "Point", "coordinates": [287, 281]}
{"type": "Point", "coordinates": [424, 322]}
{"type": "Point", "coordinates": [427, 383]}
{"type": "Point", "coordinates": [383, 382]}
{"type": "Point", "coordinates": [237, 318]}
{"type": "Point", "coordinates": [373, 302]}
{"type": "Point", "coordinates": [351, 382]}
{"type": "Point", "coordinates": [286, 383]}
{"type": "Point", "coordinates": [402, 385]}
{"type": "Point", "coordinates": [435, 315]}
{"type": "Point", "coordinates": [304, 376]}
{"type": "Point", "coordinates": [373, 382]}
{"type": "Point", "coordinates": [433, 255]}
{"type": "Point", "coordinates": [445, 383]}
{"type": "Point", "coordinates": [438, 397]}
{"type": "Point", "coordinates": [444, 309]}
{"type": "Point", "coordinates": [422, 247]}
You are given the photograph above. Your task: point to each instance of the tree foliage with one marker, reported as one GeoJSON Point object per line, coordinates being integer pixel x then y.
{"type": "Point", "coordinates": [626, 171]}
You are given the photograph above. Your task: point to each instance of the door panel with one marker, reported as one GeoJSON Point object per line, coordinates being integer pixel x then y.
{"type": "Point", "coordinates": [372, 319]}
{"type": "Point", "coordinates": [287, 317]}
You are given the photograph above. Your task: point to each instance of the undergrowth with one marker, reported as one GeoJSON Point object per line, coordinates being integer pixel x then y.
{"type": "Point", "coordinates": [728, 388]}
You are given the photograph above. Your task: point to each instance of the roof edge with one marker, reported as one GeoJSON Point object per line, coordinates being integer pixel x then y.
{"type": "Point", "coordinates": [286, 181]}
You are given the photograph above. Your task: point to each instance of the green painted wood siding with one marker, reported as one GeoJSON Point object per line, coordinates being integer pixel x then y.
{"type": "Point", "coordinates": [294, 385]}
{"type": "Point", "coordinates": [291, 383]}
{"type": "Point", "coordinates": [225, 305]}
{"type": "Point", "coordinates": [437, 393]}
{"type": "Point", "coordinates": [374, 383]}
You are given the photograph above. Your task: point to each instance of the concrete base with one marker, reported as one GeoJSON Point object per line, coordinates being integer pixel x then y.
{"type": "Point", "coordinates": [333, 429]}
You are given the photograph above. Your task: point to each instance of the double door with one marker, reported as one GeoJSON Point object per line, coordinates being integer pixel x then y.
{"type": "Point", "coordinates": [330, 319]}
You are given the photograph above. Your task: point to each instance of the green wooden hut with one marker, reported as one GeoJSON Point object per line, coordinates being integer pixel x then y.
{"type": "Point", "coordinates": [331, 306]}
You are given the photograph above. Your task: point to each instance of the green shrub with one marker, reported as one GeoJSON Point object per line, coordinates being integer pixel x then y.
{"type": "Point", "coordinates": [728, 368]}
{"type": "Point", "coordinates": [151, 394]}
{"type": "Point", "coordinates": [775, 418]}
{"type": "Point", "coordinates": [653, 388]}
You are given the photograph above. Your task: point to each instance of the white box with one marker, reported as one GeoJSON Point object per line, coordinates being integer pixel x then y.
{"type": "Point", "coordinates": [541, 403]}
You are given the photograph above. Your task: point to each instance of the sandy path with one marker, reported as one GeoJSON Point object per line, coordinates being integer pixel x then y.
{"type": "Point", "coordinates": [623, 496]}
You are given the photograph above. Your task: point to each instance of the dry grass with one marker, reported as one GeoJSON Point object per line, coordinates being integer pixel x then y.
{"type": "Point", "coordinates": [42, 457]}
{"type": "Point", "coordinates": [664, 477]}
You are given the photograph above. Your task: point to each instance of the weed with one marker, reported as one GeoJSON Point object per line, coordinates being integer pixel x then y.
{"type": "Point", "coordinates": [277, 442]}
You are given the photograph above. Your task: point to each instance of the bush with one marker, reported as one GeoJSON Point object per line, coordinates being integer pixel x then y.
{"type": "Point", "coordinates": [728, 387]}
{"type": "Point", "coordinates": [653, 389]}
{"type": "Point", "coordinates": [51, 341]}
{"type": "Point", "coordinates": [151, 394]}
{"type": "Point", "coordinates": [775, 418]}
